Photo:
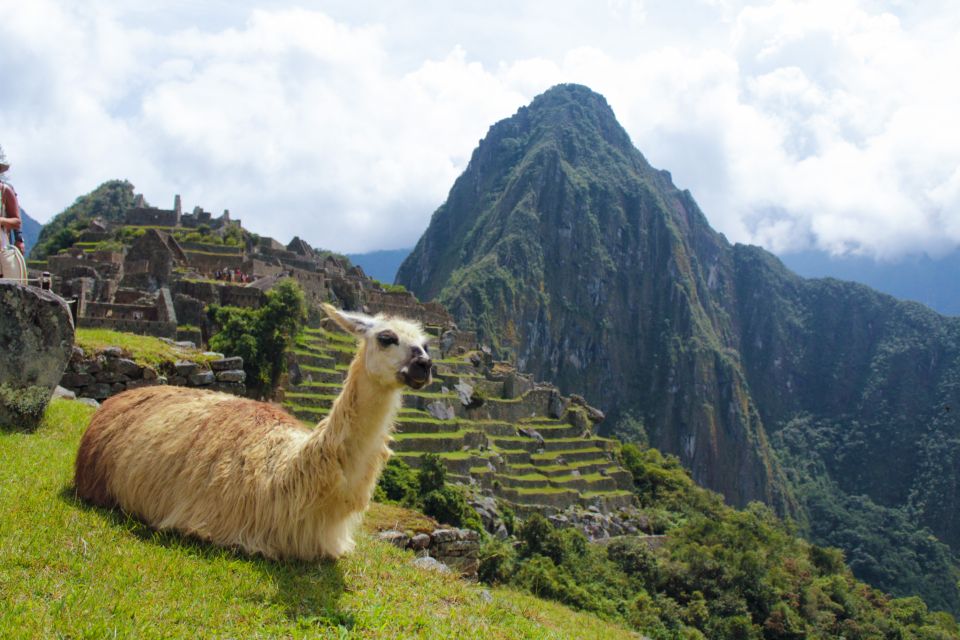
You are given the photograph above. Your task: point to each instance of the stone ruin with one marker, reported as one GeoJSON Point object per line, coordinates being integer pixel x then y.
{"type": "Point", "coordinates": [159, 286]}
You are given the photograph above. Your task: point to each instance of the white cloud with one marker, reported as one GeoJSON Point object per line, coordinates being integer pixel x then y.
{"type": "Point", "coordinates": [793, 123]}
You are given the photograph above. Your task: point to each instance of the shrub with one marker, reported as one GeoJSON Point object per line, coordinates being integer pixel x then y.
{"type": "Point", "coordinates": [23, 408]}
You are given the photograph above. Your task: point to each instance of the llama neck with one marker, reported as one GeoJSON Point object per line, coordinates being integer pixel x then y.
{"type": "Point", "coordinates": [359, 421]}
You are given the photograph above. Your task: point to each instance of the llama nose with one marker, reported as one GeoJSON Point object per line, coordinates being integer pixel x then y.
{"type": "Point", "coordinates": [420, 367]}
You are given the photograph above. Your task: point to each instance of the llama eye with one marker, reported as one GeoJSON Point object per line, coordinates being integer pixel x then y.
{"type": "Point", "coordinates": [387, 338]}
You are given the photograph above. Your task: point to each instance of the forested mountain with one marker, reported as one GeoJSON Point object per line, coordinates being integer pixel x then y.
{"type": "Point", "coordinates": [835, 404]}
{"type": "Point", "coordinates": [922, 278]}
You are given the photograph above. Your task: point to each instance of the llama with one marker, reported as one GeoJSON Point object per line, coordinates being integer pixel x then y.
{"type": "Point", "coordinates": [241, 473]}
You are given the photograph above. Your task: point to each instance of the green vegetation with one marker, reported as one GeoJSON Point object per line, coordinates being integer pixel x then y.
{"type": "Point", "coordinates": [144, 350]}
{"type": "Point", "coordinates": [69, 570]}
{"type": "Point", "coordinates": [261, 336]}
{"type": "Point", "coordinates": [25, 406]}
{"type": "Point", "coordinates": [427, 490]}
{"type": "Point", "coordinates": [109, 201]}
{"type": "Point", "coordinates": [717, 573]}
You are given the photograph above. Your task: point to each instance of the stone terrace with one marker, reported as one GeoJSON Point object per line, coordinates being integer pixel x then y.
{"type": "Point", "coordinates": [498, 432]}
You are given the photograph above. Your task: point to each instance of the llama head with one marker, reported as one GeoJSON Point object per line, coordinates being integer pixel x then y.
{"type": "Point", "coordinates": [395, 350]}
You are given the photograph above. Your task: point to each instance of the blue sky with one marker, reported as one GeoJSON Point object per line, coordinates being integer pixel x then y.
{"type": "Point", "coordinates": [796, 125]}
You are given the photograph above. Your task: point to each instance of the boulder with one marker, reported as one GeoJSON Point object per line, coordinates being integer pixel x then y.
{"type": "Point", "coordinates": [202, 378]}
{"type": "Point", "coordinates": [186, 368]}
{"type": "Point", "coordinates": [36, 331]}
{"type": "Point", "coordinates": [430, 564]}
{"type": "Point", "coordinates": [232, 375]}
{"type": "Point", "coordinates": [223, 364]}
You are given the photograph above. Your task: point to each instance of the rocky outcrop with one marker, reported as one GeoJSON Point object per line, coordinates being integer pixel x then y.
{"type": "Point", "coordinates": [457, 549]}
{"type": "Point", "coordinates": [36, 337]}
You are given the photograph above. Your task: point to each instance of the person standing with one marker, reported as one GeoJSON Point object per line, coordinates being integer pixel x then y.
{"type": "Point", "coordinates": [9, 208]}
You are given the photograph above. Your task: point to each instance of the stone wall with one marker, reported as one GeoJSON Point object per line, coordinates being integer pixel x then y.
{"type": "Point", "coordinates": [148, 216]}
{"type": "Point", "coordinates": [106, 373]}
{"type": "Point", "coordinates": [208, 263]}
{"type": "Point", "coordinates": [457, 549]}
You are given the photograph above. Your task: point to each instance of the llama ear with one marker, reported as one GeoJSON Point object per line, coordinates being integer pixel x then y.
{"type": "Point", "coordinates": [356, 323]}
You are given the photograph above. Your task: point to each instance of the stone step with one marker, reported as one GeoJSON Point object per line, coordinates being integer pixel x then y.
{"type": "Point", "coordinates": [592, 482]}
{"type": "Point", "coordinates": [313, 400]}
{"type": "Point", "coordinates": [427, 426]}
{"type": "Point", "coordinates": [608, 501]}
{"type": "Point", "coordinates": [546, 497]}
{"type": "Point", "coordinates": [584, 467]}
{"type": "Point", "coordinates": [328, 388]}
{"type": "Point", "coordinates": [431, 443]}
{"type": "Point", "coordinates": [317, 374]}
{"type": "Point", "coordinates": [529, 481]}
{"type": "Point", "coordinates": [307, 414]}
{"type": "Point", "coordinates": [322, 361]}
{"type": "Point", "coordinates": [569, 455]}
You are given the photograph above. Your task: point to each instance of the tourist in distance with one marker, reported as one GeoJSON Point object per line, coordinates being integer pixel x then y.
{"type": "Point", "coordinates": [9, 207]}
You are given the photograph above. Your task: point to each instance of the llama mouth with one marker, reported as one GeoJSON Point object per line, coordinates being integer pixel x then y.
{"type": "Point", "coordinates": [412, 382]}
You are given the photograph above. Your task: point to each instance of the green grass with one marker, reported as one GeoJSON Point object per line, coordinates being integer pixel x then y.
{"type": "Point", "coordinates": [144, 350]}
{"type": "Point", "coordinates": [69, 570]}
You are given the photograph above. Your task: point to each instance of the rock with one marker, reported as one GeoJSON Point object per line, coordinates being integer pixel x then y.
{"type": "Point", "coordinates": [223, 364]}
{"type": "Point", "coordinates": [36, 331]}
{"type": "Point", "coordinates": [117, 387]}
{"type": "Point", "coordinates": [100, 391]}
{"type": "Point", "coordinates": [397, 538]}
{"type": "Point", "coordinates": [113, 352]}
{"type": "Point", "coordinates": [89, 401]}
{"type": "Point", "coordinates": [501, 533]}
{"type": "Point", "coordinates": [232, 375]}
{"type": "Point", "coordinates": [556, 405]}
{"type": "Point", "coordinates": [127, 367]}
{"type": "Point", "coordinates": [430, 564]}
{"type": "Point", "coordinates": [531, 433]}
{"type": "Point", "coordinates": [185, 368]}
{"type": "Point", "coordinates": [419, 542]}
{"type": "Point", "coordinates": [187, 344]}
{"type": "Point", "coordinates": [441, 410]}
{"type": "Point", "coordinates": [202, 378]}
{"type": "Point", "coordinates": [468, 396]}
{"type": "Point", "coordinates": [149, 373]}
{"type": "Point", "coordinates": [209, 354]}
{"type": "Point", "coordinates": [485, 595]}
{"type": "Point", "coordinates": [177, 381]}
{"type": "Point", "coordinates": [444, 535]}
{"type": "Point", "coordinates": [60, 392]}
{"type": "Point", "coordinates": [77, 354]}
{"type": "Point", "coordinates": [74, 380]}
{"type": "Point", "coordinates": [595, 415]}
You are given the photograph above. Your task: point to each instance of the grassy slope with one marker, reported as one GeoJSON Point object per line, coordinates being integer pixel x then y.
{"type": "Point", "coordinates": [70, 570]}
{"type": "Point", "coordinates": [144, 350]}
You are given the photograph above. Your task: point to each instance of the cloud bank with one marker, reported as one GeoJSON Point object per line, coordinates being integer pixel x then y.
{"type": "Point", "coordinates": [795, 124]}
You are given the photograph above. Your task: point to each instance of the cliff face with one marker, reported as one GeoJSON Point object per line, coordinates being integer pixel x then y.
{"type": "Point", "coordinates": [567, 251]}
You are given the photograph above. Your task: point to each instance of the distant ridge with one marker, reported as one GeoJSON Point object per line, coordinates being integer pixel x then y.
{"type": "Point", "coordinates": [381, 265]}
{"type": "Point", "coordinates": [930, 281]}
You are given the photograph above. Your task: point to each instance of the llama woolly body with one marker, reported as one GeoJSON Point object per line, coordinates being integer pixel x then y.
{"type": "Point", "coordinates": [246, 474]}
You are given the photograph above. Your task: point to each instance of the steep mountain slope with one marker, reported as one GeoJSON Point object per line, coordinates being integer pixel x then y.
{"type": "Point", "coordinates": [568, 252]}
{"type": "Point", "coordinates": [556, 243]}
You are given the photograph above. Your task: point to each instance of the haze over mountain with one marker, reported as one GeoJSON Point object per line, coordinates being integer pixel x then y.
{"type": "Point", "coordinates": [931, 281]}
{"type": "Point", "coordinates": [568, 252]}
{"type": "Point", "coordinates": [382, 265]}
